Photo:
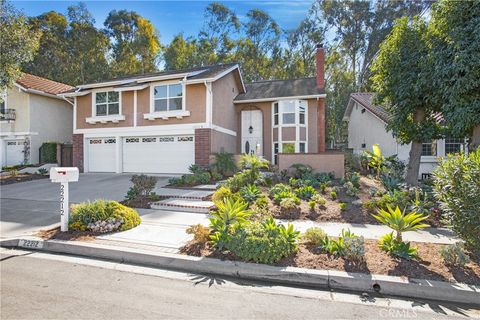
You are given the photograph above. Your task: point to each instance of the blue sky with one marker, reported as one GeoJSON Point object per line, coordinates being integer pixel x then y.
{"type": "Point", "coordinates": [172, 17]}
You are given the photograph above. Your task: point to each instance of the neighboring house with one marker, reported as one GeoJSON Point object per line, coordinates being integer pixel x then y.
{"type": "Point", "coordinates": [163, 122]}
{"type": "Point", "coordinates": [367, 126]}
{"type": "Point", "coordinates": [32, 113]}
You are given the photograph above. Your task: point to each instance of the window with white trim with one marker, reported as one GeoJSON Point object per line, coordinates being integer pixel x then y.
{"type": "Point", "coordinates": [453, 145]}
{"type": "Point", "coordinates": [275, 113]}
{"type": "Point", "coordinates": [107, 103]}
{"type": "Point", "coordinates": [167, 97]}
{"type": "Point", "coordinates": [3, 102]}
{"type": "Point", "coordinates": [429, 148]}
{"type": "Point", "coordinates": [288, 112]}
{"type": "Point", "coordinates": [275, 153]}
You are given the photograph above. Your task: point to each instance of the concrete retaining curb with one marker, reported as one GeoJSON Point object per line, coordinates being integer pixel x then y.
{"type": "Point", "coordinates": [325, 279]}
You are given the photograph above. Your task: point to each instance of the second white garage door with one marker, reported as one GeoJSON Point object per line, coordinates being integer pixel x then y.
{"type": "Point", "coordinates": [160, 154]}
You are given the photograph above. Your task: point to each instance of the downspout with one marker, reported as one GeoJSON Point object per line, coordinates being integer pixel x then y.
{"type": "Point", "coordinates": [208, 102]}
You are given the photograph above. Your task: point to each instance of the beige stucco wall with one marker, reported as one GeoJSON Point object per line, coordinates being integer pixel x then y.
{"type": "Point", "coordinates": [224, 90]}
{"type": "Point", "coordinates": [195, 103]}
{"type": "Point", "coordinates": [20, 101]}
{"type": "Point", "coordinates": [222, 141]}
{"type": "Point", "coordinates": [52, 119]}
{"type": "Point", "coordinates": [84, 110]}
{"type": "Point", "coordinates": [320, 162]}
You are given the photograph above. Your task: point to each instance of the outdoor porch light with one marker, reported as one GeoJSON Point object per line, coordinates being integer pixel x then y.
{"type": "Point", "coordinates": [250, 129]}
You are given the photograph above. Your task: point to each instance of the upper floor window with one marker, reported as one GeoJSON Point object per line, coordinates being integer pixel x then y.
{"type": "Point", "coordinates": [289, 112]}
{"type": "Point", "coordinates": [167, 97]}
{"type": "Point", "coordinates": [107, 103]}
{"type": "Point", "coordinates": [429, 148]}
{"type": "Point", "coordinates": [453, 145]}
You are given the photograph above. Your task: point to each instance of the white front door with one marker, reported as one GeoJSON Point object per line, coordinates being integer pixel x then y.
{"type": "Point", "coordinates": [252, 132]}
{"type": "Point", "coordinates": [158, 154]}
{"type": "Point", "coordinates": [101, 154]}
{"type": "Point", "coordinates": [14, 152]}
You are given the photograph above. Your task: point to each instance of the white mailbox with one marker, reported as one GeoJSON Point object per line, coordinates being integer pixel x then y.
{"type": "Point", "coordinates": [64, 175]}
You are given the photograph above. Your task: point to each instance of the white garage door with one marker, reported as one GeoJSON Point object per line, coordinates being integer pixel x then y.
{"type": "Point", "coordinates": [101, 154]}
{"type": "Point", "coordinates": [160, 154]}
{"type": "Point", "coordinates": [14, 152]}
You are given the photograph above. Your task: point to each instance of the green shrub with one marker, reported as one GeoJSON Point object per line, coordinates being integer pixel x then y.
{"type": "Point", "coordinates": [323, 187]}
{"type": "Point", "coordinates": [354, 178]}
{"type": "Point", "coordinates": [339, 246]}
{"type": "Point", "coordinates": [85, 215]}
{"type": "Point", "coordinates": [143, 184]}
{"type": "Point", "coordinates": [289, 203]}
{"type": "Point", "coordinates": [354, 248]}
{"type": "Point", "coordinates": [314, 236]}
{"type": "Point", "coordinates": [305, 193]}
{"type": "Point", "coordinates": [343, 206]}
{"type": "Point", "coordinates": [250, 193]}
{"type": "Point", "coordinates": [262, 201]}
{"type": "Point", "coordinates": [454, 254]}
{"type": "Point", "coordinates": [401, 249]}
{"type": "Point", "coordinates": [221, 194]}
{"type": "Point", "coordinates": [48, 152]}
{"type": "Point", "coordinates": [263, 243]}
{"type": "Point", "coordinates": [277, 198]}
{"type": "Point", "coordinates": [333, 195]}
{"type": "Point", "coordinates": [393, 199]}
{"type": "Point", "coordinates": [312, 204]}
{"type": "Point", "coordinates": [239, 180]}
{"type": "Point", "coordinates": [201, 234]}
{"type": "Point", "coordinates": [279, 188]}
{"type": "Point", "coordinates": [319, 200]}
{"type": "Point", "coordinates": [457, 188]}
{"type": "Point", "coordinates": [350, 189]}
{"type": "Point", "coordinates": [224, 163]}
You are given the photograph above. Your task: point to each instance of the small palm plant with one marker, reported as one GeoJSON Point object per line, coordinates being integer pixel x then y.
{"type": "Point", "coordinates": [375, 159]}
{"type": "Point", "coordinates": [252, 165]}
{"type": "Point", "coordinates": [401, 222]}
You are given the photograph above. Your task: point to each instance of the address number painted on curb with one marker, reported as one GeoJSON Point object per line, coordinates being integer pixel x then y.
{"type": "Point", "coordinates": [33, 244]}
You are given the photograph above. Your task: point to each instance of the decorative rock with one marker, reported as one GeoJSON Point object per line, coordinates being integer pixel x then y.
{"type": "Point", "coordinates": [357, 202]}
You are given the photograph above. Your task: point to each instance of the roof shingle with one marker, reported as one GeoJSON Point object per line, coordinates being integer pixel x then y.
{"type": "Point", "coordinates": [279, 88]}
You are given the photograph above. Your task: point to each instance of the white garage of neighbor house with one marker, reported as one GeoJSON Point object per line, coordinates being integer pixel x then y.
{"type": "Point", "coordinates": [31, 113]}
{"type": "Point", "coordinates": [367, 126]}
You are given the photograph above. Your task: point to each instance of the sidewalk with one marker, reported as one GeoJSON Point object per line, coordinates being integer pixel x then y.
{"type": "Point", "coordinates": [371, 231]}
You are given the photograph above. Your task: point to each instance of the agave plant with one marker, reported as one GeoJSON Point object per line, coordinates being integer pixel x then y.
{"type": "Point", "coordinates": [229, 212]}
{"type": "Point", "coordinates": [250, 193]}
{"type": "Point", "coordinates": [375, 159]}
{"type": "Point", "coordinates": [401, 222]}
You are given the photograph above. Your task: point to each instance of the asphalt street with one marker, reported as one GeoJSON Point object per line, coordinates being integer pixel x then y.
{"type": "Point", "coordinates": [40, 286]}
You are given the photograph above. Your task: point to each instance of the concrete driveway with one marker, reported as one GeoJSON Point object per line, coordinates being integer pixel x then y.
{"type": "Point", "coordinates": [29, 206]}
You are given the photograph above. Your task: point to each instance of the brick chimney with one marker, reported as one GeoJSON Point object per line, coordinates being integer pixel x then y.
{"type": "Point", "coordinates": [320, 58]}
{"type": "Point", "coordinates": [321, 111]}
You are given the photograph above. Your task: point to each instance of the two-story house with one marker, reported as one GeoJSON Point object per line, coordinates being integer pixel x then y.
{"type": "Point", "coordinates": [163, 122]}
{"type": "Point", "coordinates": [31, 113]}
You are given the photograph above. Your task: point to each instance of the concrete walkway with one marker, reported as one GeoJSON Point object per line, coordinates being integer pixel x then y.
{"type": "Point", "coordinates": [160, 228]}
{"type": "Point", "coordinates": [371, 231]}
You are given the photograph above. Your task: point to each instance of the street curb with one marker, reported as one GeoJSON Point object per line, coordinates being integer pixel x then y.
{"type": "Point", "coordinates": [325, 279]}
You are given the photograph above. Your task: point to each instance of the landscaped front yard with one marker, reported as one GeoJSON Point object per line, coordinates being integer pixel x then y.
{"type": "Point", "coordinates": [242, 227]}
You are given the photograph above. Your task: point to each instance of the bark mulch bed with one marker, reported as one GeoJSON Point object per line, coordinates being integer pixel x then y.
{"type": "Point", "coordinates": [69, 235]}
{"type": "Point", "coordinates": [331, 212]}
{"type": "Point", "coordinates": [430, 266]}
{"type": "Point", "coordinates": [21, 177]}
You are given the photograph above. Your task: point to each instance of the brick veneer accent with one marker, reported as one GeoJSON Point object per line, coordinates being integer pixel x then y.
{"type": "Point", "coordinates": [77, 151]}
{"type": "Point", "coordinates": [203, 143]}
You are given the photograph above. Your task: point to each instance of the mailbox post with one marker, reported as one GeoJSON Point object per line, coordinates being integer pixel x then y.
{"type": "Point", "coordinates": [64, 176]}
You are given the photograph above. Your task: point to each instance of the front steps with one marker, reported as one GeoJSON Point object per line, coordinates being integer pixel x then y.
{"type": "Point", "coordinates": [183, 205]}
